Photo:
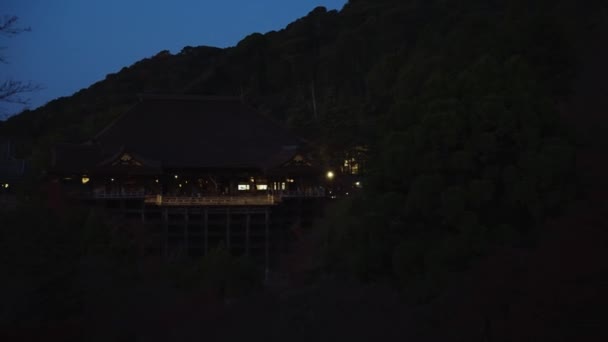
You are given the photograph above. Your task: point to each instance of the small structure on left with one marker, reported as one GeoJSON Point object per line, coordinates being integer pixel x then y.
{"type": "Point", "coordinates": [12, 172]}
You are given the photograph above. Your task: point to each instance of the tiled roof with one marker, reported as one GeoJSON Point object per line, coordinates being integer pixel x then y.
{"type": "Point", "coordinates": [188, 132]}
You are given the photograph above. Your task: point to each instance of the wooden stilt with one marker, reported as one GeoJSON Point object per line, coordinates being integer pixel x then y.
{"type": "Point", "coordinates": [266, 242]}
{"type": "Point", "coordinates": [165, 235]}
{"type": "Point", "coordinates": [228, 229]}
{"type": "Point", "coordinates": [186, 244]}
{"type": "Point", "coordinates": [247, 225]}
{"type": "Point", "coordinates": [206, 229]}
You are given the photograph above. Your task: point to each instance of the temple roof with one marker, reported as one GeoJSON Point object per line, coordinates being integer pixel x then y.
{"type": "Point", "coordinates": [188, 132]}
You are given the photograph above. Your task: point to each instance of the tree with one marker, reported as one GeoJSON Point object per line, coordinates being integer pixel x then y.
{"type": "Point", "coordinates": [10, 90]}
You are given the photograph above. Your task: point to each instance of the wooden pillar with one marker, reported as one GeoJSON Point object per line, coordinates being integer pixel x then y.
{"type": "Point", "coordinates": [247, 224]}
{"type": "Point", "coordinates": [228, 229]}
{"type": "Point", "coordinates": [165, 234]}
{"type": "Point", "coordinates": [206, 229]}
{"type": "Point", "coordinates": [186, 219]}
{"type": "Point", "coordinates": [267, 241]}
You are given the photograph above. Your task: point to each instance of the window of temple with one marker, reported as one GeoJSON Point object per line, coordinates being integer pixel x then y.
{"type": "Point", "coordinates": [243, 187]}
{"type": "Point", "coordinates": [261, 186]}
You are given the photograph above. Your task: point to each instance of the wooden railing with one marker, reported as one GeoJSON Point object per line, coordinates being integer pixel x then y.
{"type": "Point", "coordinates": [245, 199]}
{"type": "Point", "coordinates": [211, 200]}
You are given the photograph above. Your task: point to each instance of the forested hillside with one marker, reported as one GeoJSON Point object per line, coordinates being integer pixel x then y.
{"type": "Point", "coordinates": [341, 77]}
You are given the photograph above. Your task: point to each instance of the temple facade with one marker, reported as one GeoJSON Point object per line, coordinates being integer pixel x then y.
{"type": "Point", "coordinates": [197, 172]}
{"type": "Point", "coordinates": [192, 150]}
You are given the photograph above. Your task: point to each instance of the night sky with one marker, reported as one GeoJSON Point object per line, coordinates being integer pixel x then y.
{"type": "Point", "coordinates": [75, 43]}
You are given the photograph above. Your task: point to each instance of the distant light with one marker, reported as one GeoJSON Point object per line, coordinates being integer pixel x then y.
{"type": "Point", "coordinates": [186, 182]}
{"type": "Point", "coordinates": [290, 180]}
{"type": "Point", "coordinates": [243, 187]}
{"type": "Point", "coordinates": [330, 175]}
{"type": "Point", "coordinates": [251, 179]}
{"type": "Point", "coordinates": [111, 179]}
{"type": "Point", "coordinates": [6, 186]}
{"type": "Point", "coordinates": [176, 176]}
{"type": "Point", "coordinates": [85, 179]}
{"type": "Point", "coordinates": [156, 181]}
{"type": "Point", "coordinates": [180, 185]}
{"type": "Point", "coordinates": [358, 185]}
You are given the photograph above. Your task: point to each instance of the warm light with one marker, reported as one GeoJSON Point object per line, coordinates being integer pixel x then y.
{"type": "Point", "coordinates": [111, 179]}
{"type": "Point", "coordinates": [262, 186]}
{"type": "Point", "coordinates": [180, 185]}
{"type": "Point", "coordinates": [156, 181]}
{"type": "Point", "coordinates": [251, 179]}
{"type": "Point", "coordinates": [243, 187]}
{"type": "Point", "coordinates": [330, 175]}
{"type": "Point", "coordinates": [358, 185]}
{"type": "Point", "coordinates": [290, 180]}
{"type": "Point", "coordinates": [6, 186]}
{"type": "Point", "coordinates": [186, 182]}
{"type": "Point", "coordinates": [176, 176]}
{"type": "Point", "coordinates": [85, 179]}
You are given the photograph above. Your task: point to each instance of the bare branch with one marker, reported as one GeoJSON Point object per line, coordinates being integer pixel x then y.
{"type": "Point", "coordinates": [8, 26]}
{"type": "Point", "coordinates": [11, 90]}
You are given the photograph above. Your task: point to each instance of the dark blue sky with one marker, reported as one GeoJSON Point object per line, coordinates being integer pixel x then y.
{"type": "Point", "coordinates": [74, 43]}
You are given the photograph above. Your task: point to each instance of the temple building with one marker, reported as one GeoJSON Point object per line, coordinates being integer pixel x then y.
{"type": "Point", "coordinates": [189, 147]}
{"type": "Point", "coordinates": [198, 171]}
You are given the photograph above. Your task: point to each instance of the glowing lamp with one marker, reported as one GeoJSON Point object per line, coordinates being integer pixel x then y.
{"type": "Point", "coordinates": [330, 175]}
{"type": "Point", "coordinates": [85, 180]}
